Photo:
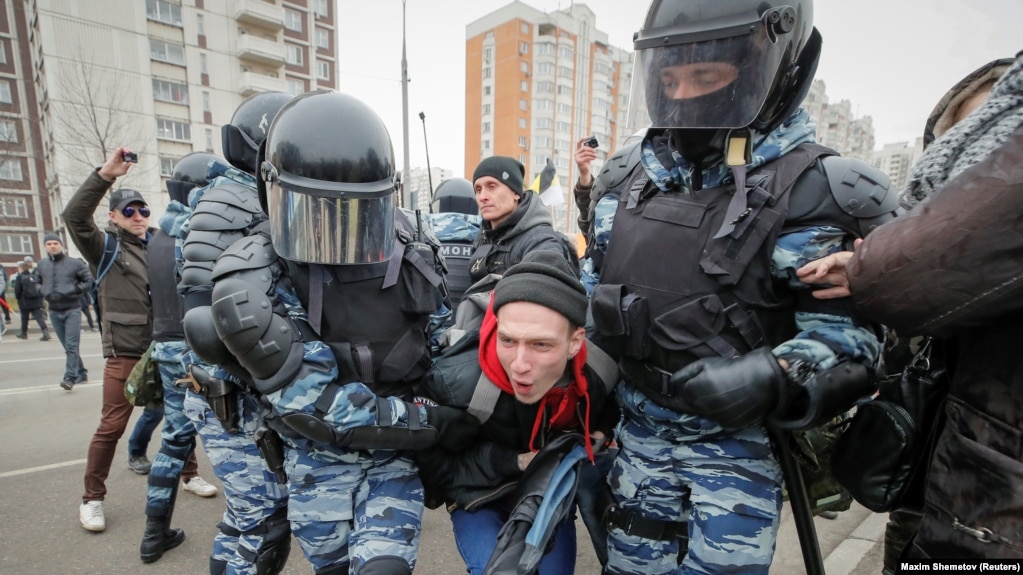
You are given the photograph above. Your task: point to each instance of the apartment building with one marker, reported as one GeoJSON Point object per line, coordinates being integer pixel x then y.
{"type": "Point", "coordinates": [536, 83]}
{"type": "Point", "coordinates": [837, 125]}
{"type": "Point", "coordinates": [160, 76]}
{"type": "Point", "coordinates": [897, 160]}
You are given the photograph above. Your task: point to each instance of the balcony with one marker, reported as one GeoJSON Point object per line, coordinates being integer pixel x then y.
{"type": "Point", "coordinates": [259, 13]}
{"type": "Point", "coordinates": [260, 50]}
{"type": "Point", "coordinates": [253, 83]}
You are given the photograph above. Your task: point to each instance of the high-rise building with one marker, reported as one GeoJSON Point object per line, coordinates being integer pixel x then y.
{"type": "Point", "coordinates": [158, 76]}
{"type": "Point", "coordinates": [420, 182]}
{"type": "Point", "coordinates": [837, 126]}
{"type": "Point", "coordinates": [897, 161]}
{"type": "Point", "coordinates": [537, 82]}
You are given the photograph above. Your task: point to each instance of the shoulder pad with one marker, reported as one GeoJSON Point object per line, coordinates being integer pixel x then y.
{"type": "Point", "coordinates": [228, 206]}
{"type": "Point", "coordinates": [207, 245]}
{"type": "Point", "coordinates": [619, 165]}
{"type": "Point", "coordinates": [862, 191]}
{"type": "Point", "coordinates": [233, 194]}
{"type": "Point", "coordinates": [249, 253]}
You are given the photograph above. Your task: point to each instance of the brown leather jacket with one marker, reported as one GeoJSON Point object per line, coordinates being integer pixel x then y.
{"type": "Point", "coordinates": [124, 292]}
{"type": "Point", "coordinates": [952, 267]}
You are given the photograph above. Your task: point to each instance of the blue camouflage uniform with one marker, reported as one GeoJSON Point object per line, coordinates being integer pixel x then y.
{"type": "Point", "coordinates": [456, 233]}
{"type": "Point", "coordinates": [255, 501]}
{"type": "Point", "coordinates": [680, 467]}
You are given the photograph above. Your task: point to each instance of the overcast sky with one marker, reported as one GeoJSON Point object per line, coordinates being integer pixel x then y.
{"type": "Point", "coordinates": [893, 59]}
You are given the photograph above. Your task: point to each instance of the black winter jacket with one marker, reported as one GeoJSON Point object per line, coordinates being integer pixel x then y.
{"type": "Point", "coordinates": [64, 281]}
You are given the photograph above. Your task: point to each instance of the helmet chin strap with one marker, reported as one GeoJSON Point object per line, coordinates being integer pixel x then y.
{"type": "Point", "coordinates": [738, 153]}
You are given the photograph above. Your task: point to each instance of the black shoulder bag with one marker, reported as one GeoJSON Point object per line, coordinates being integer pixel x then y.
{"type": "Point", "coordinates": [883, 455]}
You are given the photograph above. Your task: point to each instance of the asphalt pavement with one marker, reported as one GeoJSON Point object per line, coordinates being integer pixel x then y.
{"type": "Point", "coordinates": [45, 433]}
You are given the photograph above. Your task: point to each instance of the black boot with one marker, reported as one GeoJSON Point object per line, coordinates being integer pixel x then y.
{"type": "Point", "coordinates": [158, 538]}
{"type": "Point", "coordinates": [46, 335]}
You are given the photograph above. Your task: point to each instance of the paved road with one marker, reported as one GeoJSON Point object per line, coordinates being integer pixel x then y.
{"type": "Point", "coordinates": [45, 433]}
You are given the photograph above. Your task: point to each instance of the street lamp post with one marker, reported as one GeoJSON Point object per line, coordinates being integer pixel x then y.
{"type": "Point", "coordinates": [406, 178]}
{"type": "Point", "coordinates": [429, 172]}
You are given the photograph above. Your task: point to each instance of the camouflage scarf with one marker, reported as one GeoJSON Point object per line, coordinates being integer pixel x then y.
{"type": "Point", "coordinates": [667, 168]}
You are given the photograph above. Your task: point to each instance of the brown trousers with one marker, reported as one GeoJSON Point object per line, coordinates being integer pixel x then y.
{"type": "Point", "coordinates": [113, 419]}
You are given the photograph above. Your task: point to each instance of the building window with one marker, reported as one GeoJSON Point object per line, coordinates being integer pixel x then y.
{"type": "Point", "coordinates": [522, 159]}
{"type": "Point", "coordinates": [172, 130]}
{"type": "Point", "coordinates": [8, 132]}
{"type": "Point", "coordinates": [565, 52]}
{"type": "Point", "coordinates": [202, 64]}
{"type": "Point", "coordinates": [3, 53]}
{"type": "Point", "coordinates": [544, 68]}
{"type": "Point", "coordinates": [563, 126]}
{"type": "Point", "coordinates": [295, 55]}
{"type": "Point", "coordinates": [170, 91]}
{"type": "Point", "coordinates": [545, 49]}
{"type": "Point", "coordinates": [166, 52]}
{"type": "Point", "coordinates": [10, 170]}
{"type": "Point", "coordinates": [321, 8]}
{"type": "Point", "coordinates": [322, 39]}
{"type": "Point", "coordinates": [486, 109]}
{"type": "Point", "coordinates": [564, 89]}
{"type": "Point", "coordinates": [486, 72]}
{"type": "Point", "coordinates": [564, 108]}
{"type": "Point", "coordinates": [295, 87]}
{"type": "Point", "coordinates": [486, 127]}
{"type": "Point", "coordinates": [200, 25]}
{"type": "Point", "coordinates": [14, 208]}
{"type": "Point", "coordinates": [564, 71]}
{"type": "Point", "coordinates": [524, 67]}
{"type": "Point", "coordinates": [544, 87]}
{"type": "Point", "coordinates": [486, 144]}
{"type": "Point", "coordinates": [544, 104]}
{"type": "Point", "coordinates": [163, 12]}
{"type": "Point", "coordinates": [322, 70]}
{"type": "Point", "coordinates": [16, 243]}
{"type": "Point", "coordinates": [488, 54]}
{"type": "Point", "coordinates": [486, 90]}
{"type": "Point", "coordinates": [209, 139]}
{"type": "Point", "coordinates": [292, 20]}
{"type": "Point", "coordinates": [523, 47]}
{"type": "Point", "coordinates": [543, 141]}
{"type": "Point", "coordinates": [522, 141]}
{"type": "Point", "coordinates": [523, 105]}
{"type": "Point", "coordinates": [205, 101]}
{"type": "Point", "coordinates": [544, 123]}
{"type": "Point", "coordinates": [5, 92]}
{"type": "Point", "coordinates": [525, 28]}
{"type": "Point", "coordinates": [167, 166]}
{"type": "Point", "coordinates": [522, 123]}
{"type": "Point", "coordinates": [524, 86]}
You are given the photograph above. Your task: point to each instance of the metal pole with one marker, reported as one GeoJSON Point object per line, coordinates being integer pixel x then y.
{"type": "Point", "coordinates": [799, 499]}
{"type": "Point", "coordinates": [429, 172]}
{"type": "Point", "coordinates": [406, 175]}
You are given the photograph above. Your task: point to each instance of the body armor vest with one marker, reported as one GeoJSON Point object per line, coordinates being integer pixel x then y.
{"type": "Point", "coordinates": [456, 256]}
{"type": "Point", "coordinates": [376, 331]}
{"type": "Point", "coordinates": [664, 303]}
{"type": "Point", "coordinates": [167, 304]}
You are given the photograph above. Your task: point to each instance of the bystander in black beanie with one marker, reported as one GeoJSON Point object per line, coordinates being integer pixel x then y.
{"type": "Point", "coordinates": [506, 170]}
{"type": "Point", "coordinates": [544, 278]}
{"type": "Point", "coordinates": [52, 237]}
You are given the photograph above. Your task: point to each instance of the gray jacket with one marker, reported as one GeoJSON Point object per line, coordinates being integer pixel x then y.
{"type": "Point", "coordinates": [64, 281]}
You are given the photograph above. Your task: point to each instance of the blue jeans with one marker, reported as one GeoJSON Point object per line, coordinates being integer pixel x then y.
{"type": "Point", "coordinates": [476, 536]}
{"type": "Point", "coordinates": [68, 325]}
{"type": "Point", "coordinates": [178, 436]}
{"type": "Point", "coordinates": [138, 443]}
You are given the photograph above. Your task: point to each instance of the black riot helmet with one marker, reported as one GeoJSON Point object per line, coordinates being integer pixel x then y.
{"type": "Point", "coordinates": [190, 172]}
{"type": "Point", "coordinates": [248, 128]}
{"type": "Point", "coordinates": [327, 181]}
{"type": "Point", "coordinates": [455, 195]}
{"type": "Point", "coordinates": [719, 65]}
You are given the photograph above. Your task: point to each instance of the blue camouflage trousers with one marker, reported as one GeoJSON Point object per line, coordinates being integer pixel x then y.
{"type": "Point", "coordinates": [178, 435]}
{"type": "Point", "coordinates": [733, 480]}
{"type": "Point", "coordinates": [250, 488]}
{"type": "Point", "coordinates": [361, 506]}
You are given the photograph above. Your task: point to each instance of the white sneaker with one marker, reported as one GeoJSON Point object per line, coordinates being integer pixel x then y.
{"type": "Point", "coordinates": [200, 487]}
{"type": "Point", "coordinates": [91, 516]}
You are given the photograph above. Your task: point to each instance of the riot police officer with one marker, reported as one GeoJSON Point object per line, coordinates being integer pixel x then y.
{"type": "Point", "coordinates": [456, 221]}
{"type": "Point", "coordinates": [324, 308]}
{"type": "Point", "coordinates": [254, 535]}
{"type": "Point", "coordinates": [732, 191]}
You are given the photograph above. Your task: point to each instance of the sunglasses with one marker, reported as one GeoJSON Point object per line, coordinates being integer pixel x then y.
{"type": "Point", "coordinates": [129, 211]}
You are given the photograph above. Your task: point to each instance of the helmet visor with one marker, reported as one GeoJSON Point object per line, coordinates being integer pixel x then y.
{"type": "Point", "coordinates": [331, 229]}
{"type": "Point", "coordinates": [712, 83]}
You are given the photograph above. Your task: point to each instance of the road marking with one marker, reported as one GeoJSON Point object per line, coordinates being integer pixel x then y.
{"type": "Point", "coordinates": [42, 468]}
{"type": "Point", "coordinates": [39, 388]}
{"type": "Point", "coordinates": [59, 357]}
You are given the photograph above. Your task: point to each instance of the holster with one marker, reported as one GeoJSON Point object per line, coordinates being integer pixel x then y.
{"type": "Point", "coordinates": [271, 447]}
{"type": "Point", "coordinates": [220, 396]}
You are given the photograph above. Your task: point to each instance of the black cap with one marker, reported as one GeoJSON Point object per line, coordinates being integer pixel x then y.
{"type": "Point", "coordinates": [52, 237]}
{"type": "Point", "coordinates": [119, 199]}
{"type": "Point", "coordinates": [506, 170]}
{"type": "Point", "coordinates": [547, 279]}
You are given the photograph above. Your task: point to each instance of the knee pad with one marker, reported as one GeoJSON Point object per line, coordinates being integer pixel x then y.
{"type": "Point", "coordinates": [386, 566]}
{"type": "Point", "coordinates": [273, 553]}
{"type": "Point", "coordinates": [217, 567]}
{"type": "Point", "coordinates": [341, 569]}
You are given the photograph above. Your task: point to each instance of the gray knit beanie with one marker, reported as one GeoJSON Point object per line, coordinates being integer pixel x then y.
{"type": "Point", "coordinates": [52, 237]}
{"type": "Point", "coordinates": [544, 278]}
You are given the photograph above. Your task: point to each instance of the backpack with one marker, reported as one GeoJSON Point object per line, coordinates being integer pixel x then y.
{"type": "Point", "coordinates": [31, 286]}
{"type": "Point", "coordinates": [111, 247]}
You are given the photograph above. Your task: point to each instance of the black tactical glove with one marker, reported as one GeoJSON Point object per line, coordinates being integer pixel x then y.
{"type": "Point", "coordinates": [455, 427]}
{"type": "Point", "coordinates": [735, 392]}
